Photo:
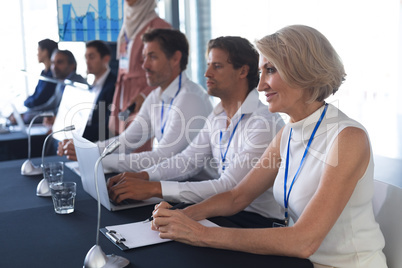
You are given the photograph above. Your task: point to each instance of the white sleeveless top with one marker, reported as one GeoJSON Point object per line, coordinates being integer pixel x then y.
{"type": "Point", "coordinates": [356, 239]}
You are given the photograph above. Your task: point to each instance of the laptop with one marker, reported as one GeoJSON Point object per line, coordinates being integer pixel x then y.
{"type": "Point", "coordinates": [20, 123]}
{"type": "Point", "coordinates": [75, 106]}
{"type": "Point", "coordinates": [21, 127]}
{"type": "Point", "coordinates": [87, 155]}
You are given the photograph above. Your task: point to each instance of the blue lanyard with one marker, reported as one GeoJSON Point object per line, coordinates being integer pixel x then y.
{"type": "Point", "coordinates": [223, 156]}
{"type": "Point", "coordinates": [286, 196]}
{"type": "Point", "coordinates": [163, 124]}
{"type": "Point", "coordinates": [127, 40]}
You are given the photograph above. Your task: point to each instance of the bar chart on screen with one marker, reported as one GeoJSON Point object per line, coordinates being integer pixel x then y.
{"type": "Point", "coordinates": [85, 20]}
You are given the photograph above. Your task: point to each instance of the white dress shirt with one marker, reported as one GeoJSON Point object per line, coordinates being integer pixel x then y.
{"type": "Point", "coordinates": [252, 136]}
{"type": "Point", "coordinates": [96, 89]}
{"type": "Point", "coordinates": [184, 118]}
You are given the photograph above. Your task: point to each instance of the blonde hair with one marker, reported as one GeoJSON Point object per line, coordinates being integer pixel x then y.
{"type": "Point", "coordinates": [304, 58]}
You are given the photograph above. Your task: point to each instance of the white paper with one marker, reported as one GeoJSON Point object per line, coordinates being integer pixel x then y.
{"type": "Point", "coordinates": [139, 234]}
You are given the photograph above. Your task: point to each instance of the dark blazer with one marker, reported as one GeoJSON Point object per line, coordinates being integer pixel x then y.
{"type": "Point", "coordinates": [43, 91]}
{"type": "Point", "coordinates": [99, 129]}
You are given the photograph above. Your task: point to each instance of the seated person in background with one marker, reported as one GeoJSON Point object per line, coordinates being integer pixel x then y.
{"type": "Point", "coordinates": [320, 166]}
{"type": "Point", "coordinates": [236, 134]}
{"type": "Point", "coordinates": [172, 113]}
{"type": "Point", "coordinates": [63, 67]}
{"type": "Point", "coordinates": [97, 57]}
{"type": "Point", "coordinates": [44, 90]}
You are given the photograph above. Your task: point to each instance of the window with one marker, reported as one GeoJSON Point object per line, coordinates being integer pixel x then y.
{"type": "Point", "coordinates": [366, 34]}
{"type": "Point", "coordinates": [23, 24]}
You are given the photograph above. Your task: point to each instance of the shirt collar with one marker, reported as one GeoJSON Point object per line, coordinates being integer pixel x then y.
{"type": "Point", "coordinates": [248, 106]}
{"type": "Point", "coordinates": [170, 92]}
{"type": "Point", "coordinates": [102, 79]}
{"type": "Point", "coordinates": [47, 73]}
{"type": "Point", "coordinates": [70, 75]}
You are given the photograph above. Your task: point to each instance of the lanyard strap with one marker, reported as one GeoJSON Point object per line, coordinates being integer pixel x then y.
{"type": "Point", "coordinates": [126, 39]}
{"type": "Point", "coordinates": [223, 155]}
{"type": "Point", "coordinates": [286, 196]}
{"type": "Point", "coordinates": [163, 124]}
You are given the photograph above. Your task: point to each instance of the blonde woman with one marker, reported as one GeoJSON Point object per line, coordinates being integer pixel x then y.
{"type": "Point", "coordinates": [320, 166]}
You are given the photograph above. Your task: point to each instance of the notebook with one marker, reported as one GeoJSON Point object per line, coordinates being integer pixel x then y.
{"type": "Point", "coordinates": [87, 155]}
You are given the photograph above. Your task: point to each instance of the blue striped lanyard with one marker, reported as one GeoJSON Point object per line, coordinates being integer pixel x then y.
{"type": "Point", "coordinates": [286, 196]}
{"type": "Point", "coordinates": [127, 40]}
{"type": "Point", "coordinates": [223, 155]}
{"type": "Point", "coordinates": [163, 124]}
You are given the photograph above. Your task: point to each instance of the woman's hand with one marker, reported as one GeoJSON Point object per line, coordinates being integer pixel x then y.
{"type": "Point", "coordinates": [138, 100]}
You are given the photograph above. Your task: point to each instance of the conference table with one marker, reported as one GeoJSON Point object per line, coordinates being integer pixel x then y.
{"type": "Point", "coordinates": [14, 145]}
{"type": "Point", "coordinates": [33, 235]}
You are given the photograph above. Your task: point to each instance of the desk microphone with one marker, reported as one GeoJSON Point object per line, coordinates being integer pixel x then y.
{"type": "Point", "coordinates": [95, 257]}
{"type": "Point", "coordinates": [28, 168]}
{"type": "Point", "coordinates": [43, 187]}
{"type": "Point", "coordinates": [65, 82]}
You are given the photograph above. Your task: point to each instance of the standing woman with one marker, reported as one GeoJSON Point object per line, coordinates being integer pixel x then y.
{"type": "Point", "coordinates": [320, 166]}
{"type": "Point", "coordinates": [131, 86]}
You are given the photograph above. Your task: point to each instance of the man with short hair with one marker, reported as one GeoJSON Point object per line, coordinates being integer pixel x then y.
{"type": "Point", "coordinates": [172, 113]}
{"type": "Point", "coordinates": [64, 66]}
{"type": "Point", "coordinates": [235, 136]}
{"type": "Point", "coordinates": [97, 56]}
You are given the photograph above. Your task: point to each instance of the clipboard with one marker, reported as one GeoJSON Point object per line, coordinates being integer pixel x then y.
{"type": "Point", "coordinates": [138, 234]}
{"type": "Point", "coordinates": [115, 238]}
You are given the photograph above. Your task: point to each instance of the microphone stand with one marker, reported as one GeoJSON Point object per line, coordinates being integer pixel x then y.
{"type": "Point", "coordinates": [95, 257]}
{"type": "Point", "coordinates": [28, 168]}
{"type": "Point", "coordinates": [65, 82]}
{"type": "Point", "coordinates": [43, 187]}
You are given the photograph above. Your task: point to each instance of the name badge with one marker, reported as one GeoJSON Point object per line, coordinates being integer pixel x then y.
{"type": "Point", "coordinates": [123, 63]}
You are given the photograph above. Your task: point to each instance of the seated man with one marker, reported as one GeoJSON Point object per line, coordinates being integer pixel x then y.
{"type": "Point", "coordinates": [97, 57]}
{"type": "Point", "coordinates": [235, 135]}
{"type": "Point", "coordinates": [172, 113]}
{"type": "Point", "coordinates": [63, 67]}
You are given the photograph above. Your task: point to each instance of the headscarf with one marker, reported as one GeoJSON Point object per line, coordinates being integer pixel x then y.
{"type": "Point", "coordinates": [135, 19]}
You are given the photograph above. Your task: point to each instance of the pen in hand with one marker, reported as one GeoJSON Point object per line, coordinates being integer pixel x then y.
{"type": "Point", "coordinates": [177, 206]}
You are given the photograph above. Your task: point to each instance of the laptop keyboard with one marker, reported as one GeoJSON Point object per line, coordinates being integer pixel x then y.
{"type": "Point", "coordinates": [125, 202]}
